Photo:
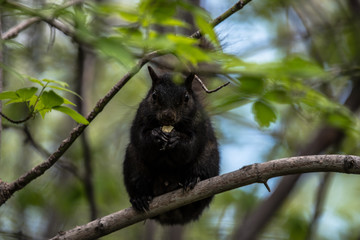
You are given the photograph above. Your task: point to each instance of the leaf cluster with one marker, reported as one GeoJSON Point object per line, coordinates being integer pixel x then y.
{"type": "Point", "coordinates": [291, 81]}
{"type": "Point", "coordinates": [137, 32]}
{"type": "Point", "coordinates": [40, 100]}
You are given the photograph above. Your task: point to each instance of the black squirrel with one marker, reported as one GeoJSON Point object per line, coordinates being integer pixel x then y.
{"type": "Point", "coordinates": [172, 145]}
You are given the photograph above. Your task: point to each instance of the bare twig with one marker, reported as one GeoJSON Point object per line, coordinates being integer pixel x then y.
{"type": "Point", "coordinates": [256, 173]}
{"type": "Point", "coordinates": [206, 89]}
{"type": "Point", "coordinates": [16, 121]}
{"type": "Point", "coordinates": [8, 189]}
{"type": "Point", "coordinates": [236, 7]}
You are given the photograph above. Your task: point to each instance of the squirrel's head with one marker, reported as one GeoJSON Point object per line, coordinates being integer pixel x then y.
{"type": "Point", "coordinates": [171, 102]}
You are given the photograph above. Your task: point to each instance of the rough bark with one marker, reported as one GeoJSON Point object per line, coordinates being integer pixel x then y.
{"type": "Point", "coordinates": [255, 173]}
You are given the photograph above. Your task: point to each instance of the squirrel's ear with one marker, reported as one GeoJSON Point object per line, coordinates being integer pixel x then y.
{"type": "Point", "coordinates": [188, 81]}
{"type": "Point", "coordinates": [153, 75]}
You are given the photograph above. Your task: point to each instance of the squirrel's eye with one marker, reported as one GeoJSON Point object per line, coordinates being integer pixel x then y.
{"type": "Point", "coordinates": [186, 97]}
{"type": "Point", "coordinates": [155, 96]}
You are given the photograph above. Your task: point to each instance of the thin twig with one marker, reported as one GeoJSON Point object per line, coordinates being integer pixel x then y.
{"type": "Point", "coordinates": [242, 177]}
{"type": "Point", "coordinates": [206, 89]}
{"type": "Point", "coordinates": [236, 7]}
{"type": "Point", "coordinates": [16, 121]}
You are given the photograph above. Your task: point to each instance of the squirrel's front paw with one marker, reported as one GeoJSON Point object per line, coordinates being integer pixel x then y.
{"type": "Point", "coordinates": [160, 137]}
{"type": "Point", "coordinates": [190, 183]}
{"type": "Point", "coordinates": [173, 141]}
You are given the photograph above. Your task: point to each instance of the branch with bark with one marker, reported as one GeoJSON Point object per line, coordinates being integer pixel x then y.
{"type": "Point", "coordinates": [14, 31]}
{"type": "Point", "coordinates": [255, 173]}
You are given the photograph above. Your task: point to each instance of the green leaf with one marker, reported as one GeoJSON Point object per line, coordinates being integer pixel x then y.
{"type": "Point", "coordinates": [39, 105]}
{"type": "Point", "coordinates": [113, 47]}
{"type": "Point", "coordinates": [50, 99]}
{"type": "Point", "coordinates": [279, 96]}
{"type": "Point", "coordinates": [36, 81]}
{"type": "Point", "coordinates": [192, 54]}
{"type": "Point", "coordinates": [61, 83]}
{"type": "Point", "coordinates": [298, 66]}
{"type": "Point", "coordinates": [340, 120]}
{"type": "Point", "coordinates": [228, 102]}
{"type": "Point", "coordinates": [154, 12]}
{"type": "Point", "coordinates": [264, 113]}
{"type": "Point", "coordinates": [18, 100]}
{"type": "Point", "coordinates": [174, 22]}
{"type": "Point", "coordinates": [66, 90]}
{"type": "Point", "coordinates": [129, 16]}
{"type": "Point", "coordinates": [26, 93]}
{"type": "Point", "coordinates": [33, 100]}
{"type": "Point", "coordinates": [44, 111]}
{"type": "Point", "coordinates": [181, 40]}
{"type": "Point", "coordinates": [67, 101]}
{"type": "Point", "coordinates": [206, 28]}
{"type": "Point", "coordinates": [251, 84]}
{"type": "Point", "coordinates": [73, 114]}
{"type": "Point", "coordinates": [8, 95]}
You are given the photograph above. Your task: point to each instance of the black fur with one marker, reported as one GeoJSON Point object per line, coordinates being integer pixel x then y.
{"type": "Point", "coordinates": [157, 162]}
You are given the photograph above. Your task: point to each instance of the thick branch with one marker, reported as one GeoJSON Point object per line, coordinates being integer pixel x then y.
{"type": "Point", "coordinates": [327, 136]}
{"type": "Point", "coordinates": [256, 173]}
{"type": "Point", "coordinates": [11, 188]}
{"type": "Point", "coordinates": [14, 31]}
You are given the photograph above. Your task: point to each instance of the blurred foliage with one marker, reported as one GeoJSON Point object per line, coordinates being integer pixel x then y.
{"type": "Point", "coordinates": [303, 86]}
{"type": "Point", "coordinates": [45, 101]}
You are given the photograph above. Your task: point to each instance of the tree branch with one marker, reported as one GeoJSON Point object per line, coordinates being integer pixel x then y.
{"type": "Point", "coordinates": [14, 31]}
{"type": "Point", "coordinates": [255, 173]}
{"type": "Point", "coordinates": [236, 7]}
{"type": "Point", "coordinates": [327, 136]}
{"type": "Point", "coordinates": [8, 189]}
{"type": "Point", "coordinates": [16, 121]}
{"type": "Point", "coordinates": [206, 89]}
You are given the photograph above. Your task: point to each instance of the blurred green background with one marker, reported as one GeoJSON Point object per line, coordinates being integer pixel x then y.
{"type": "Point", "coordinates": [293, 68]}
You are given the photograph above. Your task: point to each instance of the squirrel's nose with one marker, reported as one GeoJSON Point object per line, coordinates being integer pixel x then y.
{"type": "Point", "coordinates": [168, 117]}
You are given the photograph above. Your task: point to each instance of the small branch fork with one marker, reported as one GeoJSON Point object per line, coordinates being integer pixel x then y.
{"type": "Point", "coordinates": [206, 89]}
{"type": "Point", "coordinates": [255, 173]}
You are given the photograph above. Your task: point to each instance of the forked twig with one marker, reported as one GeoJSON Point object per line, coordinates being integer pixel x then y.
{"type": "Point", "coordinates": [206, 89]}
